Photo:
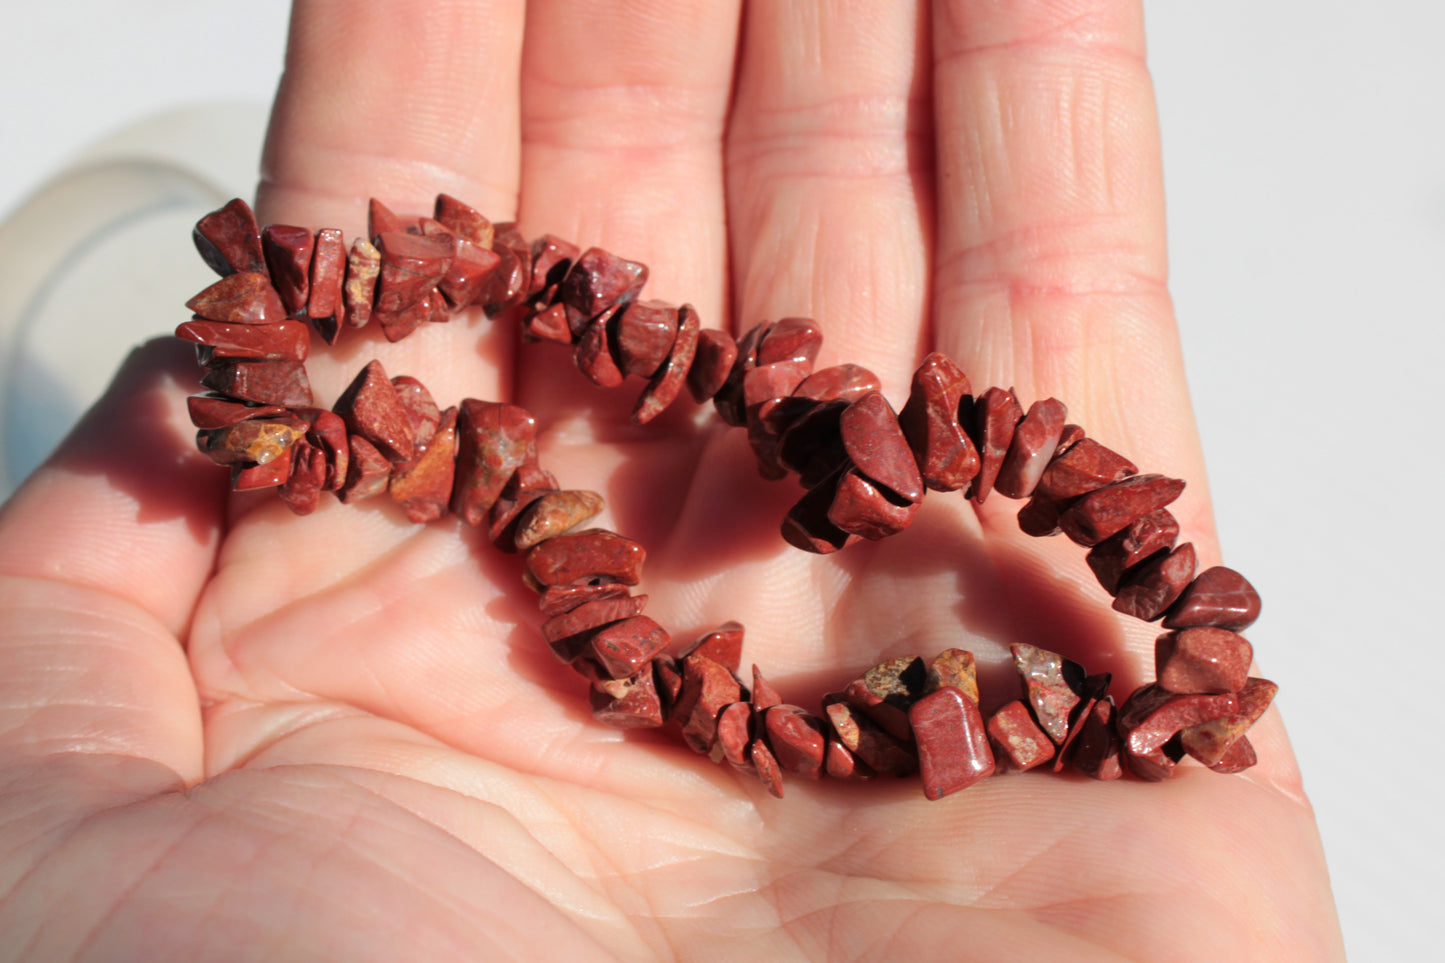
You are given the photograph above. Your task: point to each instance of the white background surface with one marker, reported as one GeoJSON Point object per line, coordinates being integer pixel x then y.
{"type": "Point", "coordinates": [1305, 170]}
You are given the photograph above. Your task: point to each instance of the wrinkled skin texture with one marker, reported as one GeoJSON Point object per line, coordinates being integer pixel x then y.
{"type": "Point", "coordinates": [228, 732]}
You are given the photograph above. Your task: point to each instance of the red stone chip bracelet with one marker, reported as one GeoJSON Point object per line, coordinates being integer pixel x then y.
{"type": "Point", "coordinates": [865, 469]}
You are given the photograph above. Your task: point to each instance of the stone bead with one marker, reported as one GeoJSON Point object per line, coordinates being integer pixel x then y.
{"type": "Point", "coordinates": [1093, 689]}
{"type": "Point", "coordinates": [254, 477]}
{"type": "Point", "coordinates": [840, 763]}
{"type": "Point", "coordinates": [463, 220]}
{"type": "Point", "coordinates": [597, 281]}
{"type": "Point", "coordinates": [506, 286]}
{"type": "Point", "coordinates": [728, 400]}
{"type": "Point", "coordinates": [995, 414]}
{"type": "Point", "coordinates": [631, 703]}
{"type": "Point", "coordinates": [507, 511]}
{"type": "Point", "coordinates": [715, 354]}
{"type": "Point", "coordinates": [953, 750]}
{"type": "Point", "coordinates": [367, 471]}
{"type": "Point", "coordinates": [861, 509]}
{"type": "Point", "coordinates": [1218, 597]}
{"type": "Point", "coordinates": [492, 442]}
{"type": "Point", "coordinates": [470, 269]}
{"type": "Point", "coordinates": [766, 382]}
{"type": "Point", "coordinates": [841, 382]}
{"type": "Point", "coordinates": [554, 513]}
{"type": "Point", "coordinates": [812, 444]}
{"type": "Point", "coordinates": [218, 411]}
{"type": "Point", "coordinates": [806, 526]}
{"type": "Point", "coordinates": [791, 339]}
{"type": "Point", "coordinates": [1202, 660]}
{"type": "Point", "coordinates": [1152, 716]}
{"type": "Point", "coordinates": [1095, 752]}
{"type": "Point", "coordinates": [766, 767]}
{"type": "Point", "coordinates": [569, 634]}
{"type": "Point", "coordinates": [552, 258]}
{"type": "Point", "coordinates": [256, 441]}
{"type": "Point", "coordinates": [229, 240]}
{"type": "Point", "coordinates": [423, 489]}
{"type": "Point", "coordinates": [363, 267]}
{"type": "Point", "coordinates": [955, 668]}
{"type": "Point", "coordinates": [1149, 589]}
{"type": "Point", "coordinates": [283, 341]}
{"type": "Point", "coordinates": [1105, 511]}
{"type": "Point", "coordinates": [381, 220]}
{"type": "Point", "coordinates": [264, 382]}
{"type": "Point", "coordinates": [421, 408]}
{"type": "Point", "coordinates": [327, 433]}
{"type": "Point", "coordinates": [1039, 518]}
{"type": "Point", "coordinates": [885, 692]}
{"type": "Point", "coordinates": [764, 695]}
{"type": "Point", "coordinates": [945, 455]}
{"type": "Point", "coordinates": [724, 645]}
{"type": "Point", "coordinates": [624, 648]}
{"type": "Point", "coordinates": [288, 256]}
{"type": "Point", "coordinates": [707, 688]}
{"type": "Point", "coordinates": [241, 298]}
{"type": "Point", "coordinates": [1053, 684]}
{"type": "Point", "coordinates": [582, 556]}
{"type": "Point", "coordinates": [798, 739]}
{"type": "Point", "coordinates": [1071, 436]}
{"type": "Point", "coordinates": [1211, 741]}
{"type": "Point", "coordinates": [411, 266]}
{"type": "Point", "coordinates": [1018, 743]}
{"type": "Point", "coordinates": [302, 491]}
{"type": "Point", "coordinates": [1237, 758]}
{"type": "Point", "coordinates": [643, 334]}
{"type": "Point", "coordinates": [561, 599]}
{"type": "Point", "coordinates": [1084, 467]}
{"type": "Point", "coordinates": [1035, 439]}
{"type": "Point", "coordinates": [667, 381]}
{"type": "Point", "coordinates": [593, 357]}
{"type": "Point", "coordinates": [549, 324]}
{"type": "Point", "coordinates": [324, 303]}
{"type": "Point", "coordinates": [1116, 555]}
{"type": "Point", "coordinates": [373, 409]}
{"type": "Point", "coordinates": [876, 445]}
{"type": "Point", "coordinates": [868, 742]}
{"type": "Point", "coordinates": [735, 735]}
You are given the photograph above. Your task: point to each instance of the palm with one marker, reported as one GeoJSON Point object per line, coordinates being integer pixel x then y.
{"type": "Point", "coordinates": [386, 761]}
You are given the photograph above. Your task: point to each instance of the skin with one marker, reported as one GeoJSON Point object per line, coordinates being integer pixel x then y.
{"type": "Point", "coordinates": [227, 732]}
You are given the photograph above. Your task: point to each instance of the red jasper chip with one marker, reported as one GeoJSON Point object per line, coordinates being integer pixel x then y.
{"type": "Point", "coordinates": [302, 491]}
{"type": "Point", "coordinates": [667, 381]}
{"type": "Point", "coordinates": [1105, 511]}
{"type": "Point", "coordinates": [841, 382]}
{"type": "Point", "coordinates": [549, 324]}
{"type": "Point", "coordinates": [1236, 758]}
{"type": "Point", "coordinates": [735, 734]}
{"type": "Point", "coordinates": [791, 339]}
{"type": "Point", "coordinates": [283, 341]}
{"type": "Point", "coordinates": [868, 742]}
{"type": "Point", "coordinates": [764, 695]}
{"type": "Point", "coordinates": [561, 599]}
{"type": "Point", "coordinates": [367, 471]}
{"type": "Point", "coordinates": [1152, 716]}
{"type": "Point", "coordinates": [840, 763]}
{"type": "Point", "coordinates": [423, 489]}
{"type": "Point", "coordinates": [581, 556]}
{"type": "Point", "coordinates": [1018, 743]}
{"type": "Point", "coordinates": [1035, 440]}
{"type": "Point", "coordinates": [569, 634]}
{"type": "Point", "coordinates": [381, 220]}
{"type": "Point", "coordinates": [812, 444]}
{"type": "Point", "coordinates": [264, 382]}
{"type": "Point", "coordinates": [463, 220]}
{"type": "Point", "coordinates": [953, 750]}
{"type": "Point", "coordinates": [506, 512]}
{"type": "Point", "coordinates": [624, 648]}
{"type": "Point", "coordinates": [1202, 660]}
{"type": "Point", "coordinates": [715, 354]}
{"type": "Point", "coordinates": [493, 440]}
{"type": "Point", "coordinates": [552, 258]}
{"type": "Point", "coordinates": [707, 688]}
{"type": "Point", "coordinates": [798, 739]}
{"type": "Point", "coordinates": [288, 256]}
{"type": "Point", "coordinates": [218, 411]}
{"type": "Point", "coordinates": [1071, 436]}
{"type": "Point", "coordinates": [885, 692]}
{"type": "Point", "coordinates": [1149, 590]}
{"type": "Point", "coordinates": [765, 387]}
{"type": "Point", "coordinates": [1093, 689]}
{"type": "Point", "coordinates": [467, 274]}
{"type": "Point", "coordinates": [861, 509]}
{"type": "Point", "coordinates": [1083, 467]}
{"type": "Point", "coordinates": [255, 441]}
{"type": "Point", "coordinates": [1053, 684]}
{"type": "Point", "coordinates": [1211, 742]}
{"type": "Point", "coordinates": [373, 409]}
{"type": "Point", "coordinates": [953, 667]}
{"type": "Point", "coordinates": [728, 400]}
{"type": "Point", "coordinates": [945, 455]}
{"type": "Point", "coordinates": [597, 281]}
{"type": "Point", "coordinates": [1095, 752]}
{"type": "Point", "coordinates": [327, 433]}
{"type": "Point", "coordinates": [229, 240]}
{"type": "Point", "coordinates": [363, 267]}
{"type": "Point", "coordinates": [643, 333]}
{"type": "Point", "coordinates": [554, 513]}
{"type": "Point", "coordinates": [876, 445]}
{"type": "Point", "coordinates": [592, 355]}
{"type": "Point", "coordinates": [996, 413]}
{"type": "Point", "coordinates": [255, 477]}
{"type": "Point", "coordinates": [806, 526]}
{"type": "Point", "coordinates": [1218, 597]}
{"type": "Point", "coordinates": [766, 767]}
{"type": "Point", "coordinates": [1039, 518]}
{"type": "Point", "coordinates": [411, 266]}
{"type": "Point", "coordinates": [324, 303]}
{"type": "Point", "coordinates": [1116, 555]}
{"type": "Point", "coordinates": [508, 284]}
{"type": "Point", "coordinates": [241, 298]}
{"type": "Point", "coordinates": [724, 645]}
{"type": "Point", "coordinates": [421, 409]}
{"type": "Point", "coordinates": [631, 703]}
